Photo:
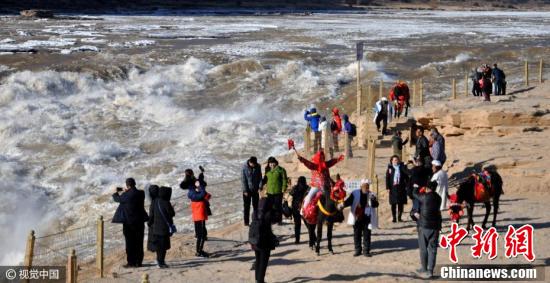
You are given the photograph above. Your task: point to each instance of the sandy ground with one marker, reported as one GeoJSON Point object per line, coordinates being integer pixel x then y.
{"type": "Point", "coordinates": [510, 132]}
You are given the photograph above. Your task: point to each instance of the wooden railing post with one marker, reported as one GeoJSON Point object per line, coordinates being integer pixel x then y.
{"type": "Point", "coordinates": [377, 194]}
{"type": "Point", "coordinates": [372, 158]}
{"type": "Point", "coordinates": [359, 94]}
{"type": "Point", "coordinates": [29, 251]}
{"type": "Point", "coordinates": [381, 89]}
{"type": "Point", "coordinates": [421, 98]}
{"type": "Point", "coordinates": [72, 267]}
{"type": "Point", "coordinates": [307, 140]}
{"type": "Point", "coordinates": [99, 246]}
{"type": "Point", "coordinates": [466, 85]}
{"type": "Point", "coordinates": [414, 93]}
{"type": "Point", "coordinates": [324, 140]}
{"type": "Point", "coordinates": [541, 65]}
{"type": "Point", "coordinates": [526, 73]}
{"type": "Point", "coordinates": [358, 86]}
{"type": "Point", "coordinates": [369, 98]}
{"type": "Point", "coordinates": [454, 88]}
{"type": "Point", "coordinates": [346, 145]}
{"type": "Point", "coordinates": [145, 278]}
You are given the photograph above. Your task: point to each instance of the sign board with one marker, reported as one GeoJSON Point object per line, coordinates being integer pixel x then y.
{"type": "Point", "coordinates": [352, 185]}
{"type": "Point", "coordinates": [359, 51]}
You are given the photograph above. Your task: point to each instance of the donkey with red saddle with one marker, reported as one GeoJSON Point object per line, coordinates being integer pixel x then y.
{"type": "Point", "coordinates": [483, 188]}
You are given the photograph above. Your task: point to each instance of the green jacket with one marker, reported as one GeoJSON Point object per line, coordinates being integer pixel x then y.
{"type": "Point", "coordinates": [276, 180]}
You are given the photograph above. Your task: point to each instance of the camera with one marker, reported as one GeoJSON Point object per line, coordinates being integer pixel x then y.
{"type": "Point", "coordinates": [119, 189]}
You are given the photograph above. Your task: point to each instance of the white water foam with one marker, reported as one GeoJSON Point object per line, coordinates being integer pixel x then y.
{"type": "Point", "coordinates": [76, 137]}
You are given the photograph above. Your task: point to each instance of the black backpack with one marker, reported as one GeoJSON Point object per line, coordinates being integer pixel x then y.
{"type": "Point", "coordinates": [353, 131]}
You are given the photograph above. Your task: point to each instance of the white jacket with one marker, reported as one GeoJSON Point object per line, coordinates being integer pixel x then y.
{"type": "Point", "coordinates": [369, 210]}
{"type": "Point", "coordinates": [325, 127]}
{"type": "Point", "coordinates": [378, 108]}
{"type": "Point", "coordinates": [442, 187]}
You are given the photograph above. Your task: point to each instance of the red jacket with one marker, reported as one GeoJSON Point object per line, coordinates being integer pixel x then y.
{"type": "Point", "coordinates": [198, 211]}
{"type": "Point", "coordinates": [337, 120]}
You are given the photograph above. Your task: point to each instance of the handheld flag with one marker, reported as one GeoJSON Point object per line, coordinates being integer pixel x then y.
{"type": "Point", "coordinates": [291, 144]}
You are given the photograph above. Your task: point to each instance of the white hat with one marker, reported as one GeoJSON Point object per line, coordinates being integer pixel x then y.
{"type": "Point", "coordinates": [365, 181]}
{"type": "Point", "coordinates": [384, 98]}
{"type": "Point", "coordinates": [436, 163]}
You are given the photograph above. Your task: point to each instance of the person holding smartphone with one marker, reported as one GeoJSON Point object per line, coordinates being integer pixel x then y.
{"type": "Point", "coordinates": [131, 213]}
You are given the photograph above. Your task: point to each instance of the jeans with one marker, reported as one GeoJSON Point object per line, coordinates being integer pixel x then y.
{"type": "Point", "coordinates": [427, 243]}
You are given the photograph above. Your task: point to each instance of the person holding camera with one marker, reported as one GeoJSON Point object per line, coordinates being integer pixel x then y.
{"type": "Point", "coordinates": [161, 222]}
{"type": "Point", "coordinates": [131, 213]}
{"type": "Point", "coordinates": [362, 216]}
{"type": "Point", "coordinates": [200, 208]}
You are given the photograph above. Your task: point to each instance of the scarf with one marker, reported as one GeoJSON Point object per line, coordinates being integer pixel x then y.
{"type": "Point", "coordinates": [396, 175]}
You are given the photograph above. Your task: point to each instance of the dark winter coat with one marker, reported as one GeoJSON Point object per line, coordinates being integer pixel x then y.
{"type": "Point", "coordinates": [298, 194]}
{"type": "Point", "coordinates": [131, 209]}
{"type": "Point", "coordinates": [397, 193]}
{"type": "Point", "coordinates": [423, 151]}
{"type": "Point", "coordinates": [397, 145]}
{"type": "Point", "coordinates": [430, 215]}
{"type": "Point", "coordinates": [420, 176]}
{"type": "Point", "coordinates": [251, 178]}
{"type": "Point", "coordinates": [153, 193]}
{"type": "Point", "coordinates": [161, 214]}
{"type": "Point", "coordinates": [498, 75]}
{"type": "Point", "coordinates": [265, 239]}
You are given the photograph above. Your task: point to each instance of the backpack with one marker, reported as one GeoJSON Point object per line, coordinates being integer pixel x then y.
{"type": "Point", "coordinates": [353, 131]}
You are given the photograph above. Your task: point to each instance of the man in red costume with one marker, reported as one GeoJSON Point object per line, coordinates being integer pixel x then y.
{"type": "Point", "coordinates": [321, 184]}
{"type": "Point", "coordinates": [320, 174]}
